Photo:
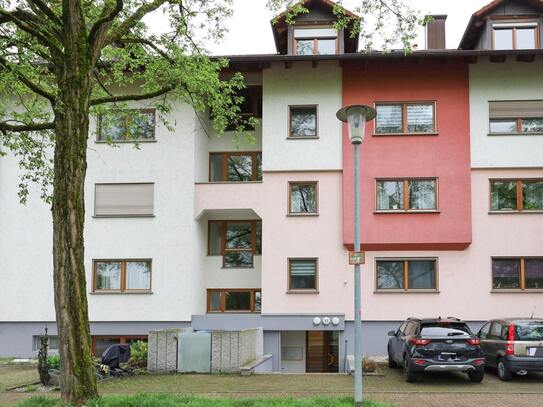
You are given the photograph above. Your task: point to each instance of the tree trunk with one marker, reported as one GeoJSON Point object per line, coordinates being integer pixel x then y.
{"type": "Point", "coordinates": [77, 382]}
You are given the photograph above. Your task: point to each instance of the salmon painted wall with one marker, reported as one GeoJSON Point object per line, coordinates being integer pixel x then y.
{"type": "Point", "coordinates": [445, 156]}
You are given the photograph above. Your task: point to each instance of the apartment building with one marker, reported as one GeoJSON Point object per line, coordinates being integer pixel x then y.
{"type": "Point", "coordinates": [195, 230]}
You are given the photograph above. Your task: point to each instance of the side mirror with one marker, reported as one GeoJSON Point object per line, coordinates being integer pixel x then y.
{"type": "Point", "coordinates": [391, 333]}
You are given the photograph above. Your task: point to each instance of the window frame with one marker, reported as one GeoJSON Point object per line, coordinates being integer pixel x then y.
{"type": "Point", "coordinates": [521, 275]}
{"type": "Point", "coordinates": [406, 195]}
{"type": "Point", "coordinates": [520, 195]}
{"type": "Point", "coordinates": [122, 339]}
{"type": "Point", "coordinates": [223, 228]}
{"type": "Point", "coordinates": [404, 106]}
{"type": "Point", "coordinates": [519, 121]}
{"type": "Point", "coordinates": [223, 310]}
{"type": "Point", "coordinates": [309, 26]}
{"type": "Point", "coordinates": [256, 91]}
{"type": "Point", "coordinates": [303, 290]}
{"type": "Point", "coordinates": [224, 171]}
{"type": "Point", "coordinates": [406, 288]}
{"type": "Point", "coordinates": [290, 108]}
{"type": "Point", "coordinates": [513, 24]}
{"type": "Point", "coordinates": [289, 201]}
{"type": "Point", "coordinates": [122, 289]}
{"type": "Point", "coordinates": [126, 139]}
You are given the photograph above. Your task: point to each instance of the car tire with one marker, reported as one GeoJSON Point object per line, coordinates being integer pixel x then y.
{"type": "Point", "coordinates": [408, 374]}
{"type": "Point", "coordinates": [391, 363]}
{"type": "Point", "coordinates": [476, 376]}
{"type": "Point", "coordinates": [503, 371]}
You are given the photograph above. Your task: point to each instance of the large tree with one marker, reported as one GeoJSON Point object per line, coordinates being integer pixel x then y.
{"type": "Point", "coordinates": [62, 61]}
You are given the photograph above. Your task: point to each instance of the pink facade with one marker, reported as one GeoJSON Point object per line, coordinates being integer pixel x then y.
{"type": "Point", "coordinates": [445, 156]}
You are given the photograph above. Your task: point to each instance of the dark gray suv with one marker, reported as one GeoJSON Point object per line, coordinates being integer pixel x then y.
{"type": "Point", "coordinates": [435, 345]}
{"type": "Point", "coordinates": [513, 345]}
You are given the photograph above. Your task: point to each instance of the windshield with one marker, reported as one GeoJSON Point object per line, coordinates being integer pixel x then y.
{"type": "Point", "coordinates": [445, 329]}
{"type": "Point", "coordinates": [529, 330]}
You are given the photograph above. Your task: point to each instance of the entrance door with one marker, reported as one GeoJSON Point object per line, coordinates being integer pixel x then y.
{"type": "Point", "coordinates": [322, 352]}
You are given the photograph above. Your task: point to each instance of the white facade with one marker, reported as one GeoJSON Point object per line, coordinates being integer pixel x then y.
{"type": "Point", "coordinates": [510, 80]}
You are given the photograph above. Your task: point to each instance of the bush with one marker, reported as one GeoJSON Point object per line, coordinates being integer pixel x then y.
{"type": "Point", "coordinates": [369, 365]}
{"type": "Point", "coordinates": [138, 354]}
{"type": "Point", "coordinates": [53, 362]}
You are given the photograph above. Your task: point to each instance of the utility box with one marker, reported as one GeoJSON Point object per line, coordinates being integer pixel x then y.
{"type": "Point", "coordinates": [194, 352]}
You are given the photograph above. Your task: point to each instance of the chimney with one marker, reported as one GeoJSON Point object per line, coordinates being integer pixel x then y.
{"type": "Point", "coordinates": [435, 32]}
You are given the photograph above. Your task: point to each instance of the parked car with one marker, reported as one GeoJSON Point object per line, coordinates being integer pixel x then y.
{"type": "Point", "coordinates": [513, 345]}
{"type": "Point", "coordinates": [435, 345]}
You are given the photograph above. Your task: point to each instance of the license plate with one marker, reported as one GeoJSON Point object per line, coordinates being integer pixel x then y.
{"type": "Point", "coordinates": [446, 356]}
{"type": "Point", "coordinates": [534, 351]}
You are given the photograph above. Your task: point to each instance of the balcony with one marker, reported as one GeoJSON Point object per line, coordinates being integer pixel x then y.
{"type": "Point", "coordinates": [242, 200]}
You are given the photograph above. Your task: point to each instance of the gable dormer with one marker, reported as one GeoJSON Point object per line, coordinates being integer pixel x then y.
{"type": "Point", "coordinates": [505, 25]}
{"type": "Point", "coordinates": [313, 33]}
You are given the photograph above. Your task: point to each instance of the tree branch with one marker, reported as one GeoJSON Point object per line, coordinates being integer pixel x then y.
{"type": "Point", "coordinates": [100, 27]}
{"type": "Point", "coordinates": [28, 83]}
{"type": "Point", "coordinates": [133, 97]}
{"type": "Point", "coordinates": [46, 10]}
{"type": "Point", "coordinates": [133, 19]}
{"type": "Point", "coordinates": [5, 127]}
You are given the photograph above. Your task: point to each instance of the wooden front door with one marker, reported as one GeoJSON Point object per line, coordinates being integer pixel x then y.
{"type": "Point", "coordinates": [322, 352]}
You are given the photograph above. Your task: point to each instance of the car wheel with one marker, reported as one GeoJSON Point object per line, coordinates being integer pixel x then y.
{"type": "Point", "coordinates": [503, 371]}
{"type": "Point", "coordinates": [391, 363]}
{"type": "Point", "coordinates": [476, 376]}
{"type": "Point", "coordinates": [408, 374]}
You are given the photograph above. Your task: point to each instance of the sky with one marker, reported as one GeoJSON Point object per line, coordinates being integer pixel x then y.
{"type": "Point", "coordinates": [250, 30]}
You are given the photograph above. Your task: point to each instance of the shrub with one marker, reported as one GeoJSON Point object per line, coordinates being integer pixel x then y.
{"type": "Point", "coordinates": [53, 362]}
{"type": "Point", "coordinates": [138, 354]}
{"type": "Point", "coordinates": [369, 365]}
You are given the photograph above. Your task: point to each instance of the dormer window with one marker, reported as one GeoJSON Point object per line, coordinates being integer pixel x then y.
{"type": "Point", "coordinates": [515, 35]}
{"type": "Point", "coordinates": [315, 40]}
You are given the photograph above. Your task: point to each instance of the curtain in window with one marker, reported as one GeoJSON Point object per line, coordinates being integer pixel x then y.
{"type": "Point", "coordinates": [420, 118]}
{"type": "Point", "coordinates": [302, 274]}
{"type": "Point", "coordinates": [505, 273]}
{"type": "Point", "coordinates": [108, 276]}
{"type": "Point", "coordinates": [422, 274]}
{"type": "Point", "coordinates": [422, 195]}
{"type": "Point", "coordinates": [389, 195]}
{"type": "Point", "coordinates": [534, 273]}
{"type": "Point", "coordinates": [389, 119]}
{"type": "Point", "coordinates": [138, 275]}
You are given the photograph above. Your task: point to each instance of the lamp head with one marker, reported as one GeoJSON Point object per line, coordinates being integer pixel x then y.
{"type": "Point", "coordinates": [356, 116]}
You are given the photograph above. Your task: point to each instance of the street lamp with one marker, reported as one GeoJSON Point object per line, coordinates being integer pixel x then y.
{"type": "Point", "coordinates": [356, 116]}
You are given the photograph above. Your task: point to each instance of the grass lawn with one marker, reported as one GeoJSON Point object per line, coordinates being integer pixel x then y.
{"type": "Point", "coordinates": [12, 375]}
{"type": "Point", "coordinates": [169, 400]}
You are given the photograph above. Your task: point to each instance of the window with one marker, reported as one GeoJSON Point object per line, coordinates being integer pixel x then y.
{"type": "Point", "coordinates": [234, 300]}
{"type": "Point", "coordinates": [516, 195]}
{"type": "Point", "coordinates": [111, 200]}
{"type": "Point", "coordinates": [302, 122]}
{"type": "Point", "coordinates": [102, 342]}
{"type": "Point", "coordinates": [315, 41]}
{"type": "Point", "coordinates": [53, 343]}
{"type": "Point", "coordinates": [236, 241]}
{"type": "Point", "coordinates": [235, 167]}
{"type": "Point", "coordinates": [406, 274]}
{"type": "Point", "coordinates": [122, 275]}
{"type": "Point", "coordinates": [484, 331]}
{"type": "Point", "coordinates": [407, 195]}
{"type": "Point", "coordinates": [250, 107]}
{"type": "Point", "coordinates": [498, 331]}
{"type": "Point", "coordinates": [127, 125]}
{"type": "Point", "coordinates": [303, 198]}
{"type": "Point", "coordinates": [515, 35]}
{"type": "Point", "coordinates": [302, 274]}
{"type": "Point", "coordinates": [516, 117]}
{"type": "Point", "coordinates": [405, 118]}
{"type": "Point", "coordinates": [520, 273]}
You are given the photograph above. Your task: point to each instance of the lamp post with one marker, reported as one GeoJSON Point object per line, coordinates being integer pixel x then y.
{"type": "Point", "coordinates": [356, 116]}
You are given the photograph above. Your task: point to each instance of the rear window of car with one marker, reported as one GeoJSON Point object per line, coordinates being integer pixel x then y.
{"type": "Point", "coordinates": [529, 330]}
{"type": "Point", "coordinates": [445, 329]}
